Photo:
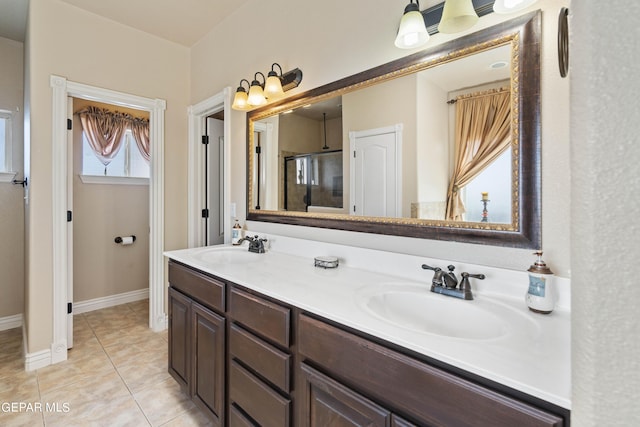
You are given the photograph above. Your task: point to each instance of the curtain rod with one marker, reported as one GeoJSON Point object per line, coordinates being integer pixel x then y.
{"type": "Point", "coordinates": [478, 94]}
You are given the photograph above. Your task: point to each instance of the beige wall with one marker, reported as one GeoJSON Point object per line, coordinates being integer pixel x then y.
{"type": "Point", "coordinates": [383, 105]}
{"type": "Point", "coordinates": [101, 212]}
{"type": "Point", "coordinates": [355, 44]}
{"type": "Point", "coordinates": [66, 41]}
{"type": "Point", "coordinates": [604, 231]}
{"type": "Point", "coordinates": [11, 196]}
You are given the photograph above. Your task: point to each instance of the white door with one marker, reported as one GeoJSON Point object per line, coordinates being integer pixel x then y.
{"type": "Point", "coordinates": [375, 172]}
{"type": "Point", "coordinates": [69, 225]}
{"type": "Point", "coordinates": [215, 180]}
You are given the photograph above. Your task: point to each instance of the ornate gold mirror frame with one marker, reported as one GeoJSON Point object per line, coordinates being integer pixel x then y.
{"type": "Point", "coordinates": [524, 231]}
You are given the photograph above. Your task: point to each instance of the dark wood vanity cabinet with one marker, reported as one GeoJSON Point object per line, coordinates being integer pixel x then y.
{"type": "Point", "coordinates": [283, 367]}
{"type": "Point", "coordinates": [260, 361]}
{"type": "Point", "coordinates": [341, 368]}
{"type": "Point", "coordinates": [197, 338]}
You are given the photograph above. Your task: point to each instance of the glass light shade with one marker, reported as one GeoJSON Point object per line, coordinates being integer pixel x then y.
{"type": "Point", "coordinates": [458, 15]}
{"type": "Point", "coordinates": [256, 95]}
{"type": "Point", "coordinates": [510, 6]}
{"type": "Point", "coordinates": [240, 101]}
{"type": "Point", "coordinates": [273, 87]}
{"type": "Point", "coordinates": [412, 32]}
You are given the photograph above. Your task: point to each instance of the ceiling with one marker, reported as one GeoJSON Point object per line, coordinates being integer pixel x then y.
{"type": "Point", "coordinates": [183, 22]}
{"type": "Point", "coordinates": [13, 19]}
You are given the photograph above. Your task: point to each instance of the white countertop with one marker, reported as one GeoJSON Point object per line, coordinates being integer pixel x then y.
{"type": "Point", "coordinates": [534, 359]}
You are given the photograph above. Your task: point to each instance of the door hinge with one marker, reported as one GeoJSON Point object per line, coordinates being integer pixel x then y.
{"type": "Point", "coordinates": [354, 208]}
{"type": "Point", "coordinates": [69, 308]}
{"type": "Point", "coordinates": [69, 216]}
{"type": "Point", "coordinates": [205, 213]}
{"type": "Point", "coordinates": [69, 124]}
{"type": "Point", "coordinates": [258, 149]}
{"type": "Point", "coordinates": [205, 139]}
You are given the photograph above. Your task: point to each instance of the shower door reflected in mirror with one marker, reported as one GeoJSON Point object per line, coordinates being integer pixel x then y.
{"type": "Point", "coordinates": [313, 182]}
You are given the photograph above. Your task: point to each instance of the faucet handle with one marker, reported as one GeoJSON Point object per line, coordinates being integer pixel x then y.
{"type": "Point", "coordinates": [437, 275]}
{"type": "Point", "coordinates": [426, 267]}
{"type": "Point", "coordinates": [465, 286]}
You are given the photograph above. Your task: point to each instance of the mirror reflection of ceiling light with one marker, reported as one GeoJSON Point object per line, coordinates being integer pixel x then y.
{"type": "Point", "coordinates": [498, 64]}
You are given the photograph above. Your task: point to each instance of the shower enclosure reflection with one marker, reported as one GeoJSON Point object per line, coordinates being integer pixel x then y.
{"type": "Point", "coordinates": [313, 182]}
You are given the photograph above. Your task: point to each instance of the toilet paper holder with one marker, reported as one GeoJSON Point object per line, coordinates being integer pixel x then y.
{"type": "Point", "coordinates": [119, 240]}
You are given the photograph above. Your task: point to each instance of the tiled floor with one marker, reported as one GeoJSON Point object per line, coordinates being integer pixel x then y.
{"type": "Point", "coordinates": [116, 375]}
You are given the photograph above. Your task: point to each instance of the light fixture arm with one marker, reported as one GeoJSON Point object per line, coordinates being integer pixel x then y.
{"type": "Point", "coordinates": [273, 72]}
{"type": "Point", "coordinates": [255, 81]}
{"type": "Point", "coordinates": [242, 87]}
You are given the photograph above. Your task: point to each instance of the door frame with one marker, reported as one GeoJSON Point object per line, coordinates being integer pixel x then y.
{"type": "Point", "coordinates": [198, 114]}
{"type": "Point", "coordinates": [63, 89]}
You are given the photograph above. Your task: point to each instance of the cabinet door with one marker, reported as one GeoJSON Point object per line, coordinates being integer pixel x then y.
{"type": "Point", "coordinates": [207, 362]}
{"type": "Point", "coordinates": [179, 337]}
{"type": "Point", "coordinates": [329, 403]}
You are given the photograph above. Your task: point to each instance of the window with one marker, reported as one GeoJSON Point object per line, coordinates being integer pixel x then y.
{"type": "Point", "coordinates": [127, 163]}
{"type": "Point", "coordinates": [5, 141]}
{"type": "Point", "coordinates": [492, 181]}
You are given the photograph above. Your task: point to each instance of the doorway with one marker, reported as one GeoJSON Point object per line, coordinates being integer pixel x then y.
{"type": "Point", "coordinates": [214, 212]}
{"type": "Point", "coordinates": [108, 199]}
{"type": "Point", "coordinates": [62, 90]}
{"type": "Point", "coordinates": [210, 113]}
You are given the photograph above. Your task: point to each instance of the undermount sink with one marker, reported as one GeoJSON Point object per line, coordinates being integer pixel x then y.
{"type": "Point", "coordinates": [228, 255]}
{"type": "Point", "coordinates": [417, 309]}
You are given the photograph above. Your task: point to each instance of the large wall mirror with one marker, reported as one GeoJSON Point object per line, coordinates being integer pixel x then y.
{"type": "Point", "coordinates": [442, 144]}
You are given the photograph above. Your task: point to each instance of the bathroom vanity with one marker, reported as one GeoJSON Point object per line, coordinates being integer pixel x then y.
{"type": "Point", "coordinates": [271, 340]}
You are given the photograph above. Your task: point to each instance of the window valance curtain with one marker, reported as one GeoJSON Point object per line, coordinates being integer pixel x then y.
{"type": "Point", "coordinates": [104, 130]}
{"type": "Point", "coordinates": [483, 132]}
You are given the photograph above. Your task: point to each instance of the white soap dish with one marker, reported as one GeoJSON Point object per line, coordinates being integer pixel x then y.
{"type": "Point", "coordinates": [325, 261]}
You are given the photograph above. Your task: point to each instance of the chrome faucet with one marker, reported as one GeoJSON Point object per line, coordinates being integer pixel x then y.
{"type": "Point", "coordinates": [256, 244]}
{"type": "Point", "coordinates": [447, 283]}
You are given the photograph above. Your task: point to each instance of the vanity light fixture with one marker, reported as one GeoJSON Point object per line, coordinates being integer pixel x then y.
{"type": "Point", "coordinates": [256, 93]}
{"type": "Point", "coordinates": [511, 6]}
{"type": "Point", "coordinates": [450, 16]}
{"type": "Point", "coordinates": [240, 100]}
{"type": "Point", "coordinates": [412, 31]}
{"type": "Point", "coordinates": [458, 15]}
{"type": "Point", "coordinates": [271, 88]}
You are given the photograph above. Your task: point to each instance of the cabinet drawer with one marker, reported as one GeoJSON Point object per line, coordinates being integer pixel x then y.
{"type": "Point", "coordinates": [269, 362]}
{"type": "Point", "coordinates": [331, 403]}
{"type": "Point", "coordinates": [237, 418]}
{"type": "Point", "coordinates": [257, 399]}
{"type": "Point", "coordinates": [416, 389]}
{"type": "Point", "coordinates": [204, 289]}
{"type": "Point", "coordinates": [267, 319]}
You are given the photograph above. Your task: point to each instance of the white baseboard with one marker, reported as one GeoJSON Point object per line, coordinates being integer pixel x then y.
{"type": "Point", "coordinates": [37, 360]}
{"type": "Point", "coordinates": [10, 322]}
{"type": "Point", "coordinates": [110, 301]}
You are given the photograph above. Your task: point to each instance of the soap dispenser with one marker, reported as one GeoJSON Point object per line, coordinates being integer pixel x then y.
{"type": "Point", "coordinates": [236, 233]}
{"type": "Point", "coordinates": [541, 296]}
